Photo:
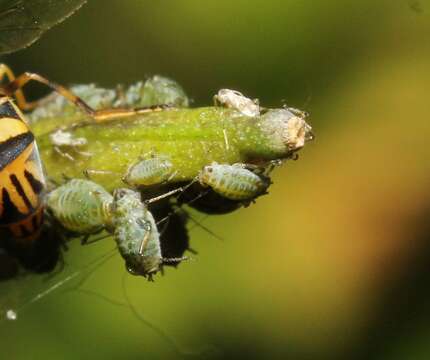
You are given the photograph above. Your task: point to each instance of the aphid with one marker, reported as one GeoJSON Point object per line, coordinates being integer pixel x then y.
{"type": "Point", "coordinates": [136, 233]}
{"type": "Point", "coordinates": [84, 208]}
{"type": "Point", "coordinates": [154, 170]}
{"type": "Point", "coordinates": [236, 100]}
{"type": "Point", "coordinates": [234, 182]}
{"type": "Point", "coordinates": [81, 206]}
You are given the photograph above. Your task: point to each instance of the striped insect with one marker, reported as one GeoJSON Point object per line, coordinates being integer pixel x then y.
{"type": "Point", "coordinates": [85, 208]}
{"type": "Point", "coordinates": [22, 181]}
{"type": "Point", "coordinates": [234, 182]}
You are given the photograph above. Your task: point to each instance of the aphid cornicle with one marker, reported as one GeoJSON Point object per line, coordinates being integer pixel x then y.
{"type": "Point", "coordinates": [234, 182]}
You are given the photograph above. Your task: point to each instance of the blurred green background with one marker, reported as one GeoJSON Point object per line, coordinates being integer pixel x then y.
{"type": "Point", "coordinates": [335, 262]}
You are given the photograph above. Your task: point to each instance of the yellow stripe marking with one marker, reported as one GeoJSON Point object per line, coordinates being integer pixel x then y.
{"type": "Point", "coordinates": [10, 127]}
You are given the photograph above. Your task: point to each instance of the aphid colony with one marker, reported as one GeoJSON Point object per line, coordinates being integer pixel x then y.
{"type": "Point", "coordinates": [231, 150]}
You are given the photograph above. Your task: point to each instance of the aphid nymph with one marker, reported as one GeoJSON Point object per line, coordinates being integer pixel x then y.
{"type": "Point", "coordinates": [234, 182]}
{"type": "Point", "coordinates": [81, 206]}
{"type": "Point", "coordinates": [154, 170]}
{"type": "Point", "coordinates": [136, 233]}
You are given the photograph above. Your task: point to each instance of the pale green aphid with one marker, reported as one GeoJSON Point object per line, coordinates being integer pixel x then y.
{"type": "Point", "coordinates": [234, 182]}
{"type": "Point", "coordinates": [136, 233]}
{"type": "Point", "coordinates": [155, 170]}
{"type": "Point", "coordinates": [81, 206]}
{"type": "Point", "coordinates": [84, 207]}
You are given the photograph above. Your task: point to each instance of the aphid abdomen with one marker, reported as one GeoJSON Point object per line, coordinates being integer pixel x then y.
{"type": "Point", "coordinates": [233, 181]}
{"type": "Point", "coordinates": [148, 172]}
{"type": "Point", "coordinates": [81, 206]}
{"type": "Point", "coordinates": [136, 233]}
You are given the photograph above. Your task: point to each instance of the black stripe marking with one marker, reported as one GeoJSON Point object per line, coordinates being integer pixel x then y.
{"type": "Point", "coordinates": [11, 148]}
{"type": "Point", "coordinates": [8, 111]}
{"type": "Point", "coordinates": [35, 184]}
{"type": "Point", "coordinates": [21, 191]}
{"type": "Point", "coordinates": [10, 213]}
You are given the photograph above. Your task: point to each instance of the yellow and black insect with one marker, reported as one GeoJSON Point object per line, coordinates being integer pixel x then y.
{"type": "Point", "coordinates": [22, 181]}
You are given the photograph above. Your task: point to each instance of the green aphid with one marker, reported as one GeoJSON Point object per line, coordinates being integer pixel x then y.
{"type": "Point", "coordinates": [155, 170]}
{"type": "Point", "coordinates": [136, 233]}
{"type": "Point", "coordinates": [233, 182]}
{"type": "Point", "coordinates": [81, 206]}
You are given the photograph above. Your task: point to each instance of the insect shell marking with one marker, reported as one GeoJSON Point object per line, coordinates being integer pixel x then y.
{"type": "Point", "coordinates": [234, 182]}
{"type": "Point", "coordinates": [22, 182]}
{"type": "Point", "coordinates": [148, 172]}
{"type": "Point", "coordinates": [81, 206]}
{"type": "Point", "coordinates": [236, 100]}
{"type": "Point", "coordinates": [136, 233]}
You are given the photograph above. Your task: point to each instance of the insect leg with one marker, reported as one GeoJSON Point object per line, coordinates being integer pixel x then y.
{"type": "Point", "coordinates": [6, 72]}
{"type": "Point", "coordinates": [98, 115]}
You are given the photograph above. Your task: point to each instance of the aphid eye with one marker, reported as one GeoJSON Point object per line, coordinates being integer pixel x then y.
{"type": "Point", "coordinates": [130, 268]}
{"type": "Point", "coordinates": [209, 169]}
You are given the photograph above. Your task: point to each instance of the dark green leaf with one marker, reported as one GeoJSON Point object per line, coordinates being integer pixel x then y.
{"type": "Point", "coordinates": [22, 22]}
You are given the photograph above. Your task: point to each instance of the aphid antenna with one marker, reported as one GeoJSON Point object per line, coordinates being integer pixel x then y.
{"type": "Point", "coordinates": [199, 224]}
{"type": "Point", "coordinates": [196, 222]}
{"type": "Point", "coordinates": [166, 218]}
{"type": "Point", "coordinates": [169, 193]}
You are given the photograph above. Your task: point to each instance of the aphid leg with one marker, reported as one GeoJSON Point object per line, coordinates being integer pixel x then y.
{"type": "Point", "coordinates": [63, 154]}
{"type": "Point", "coordinates": [172, 176]}
{"type": "Point", "coordinates": [15, 86]}
{"type": "Point", "coordinates": [217, 101]}
{"type": "Point", "coordinates": [65, 177]}
{"type": "Point", "coordinates": [227, 144]}
{"type": "Point", "coordinates": [120, 92]}
{"type": "Point", "coordinates": [178, 259]}
{"type": "Point", "coordinates": [85, 240]}
{"type": "Point", "coordinates": [88, 173]}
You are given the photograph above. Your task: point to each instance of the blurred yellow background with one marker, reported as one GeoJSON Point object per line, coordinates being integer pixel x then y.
{"type": "Point", "coordinates": [335, 262]}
